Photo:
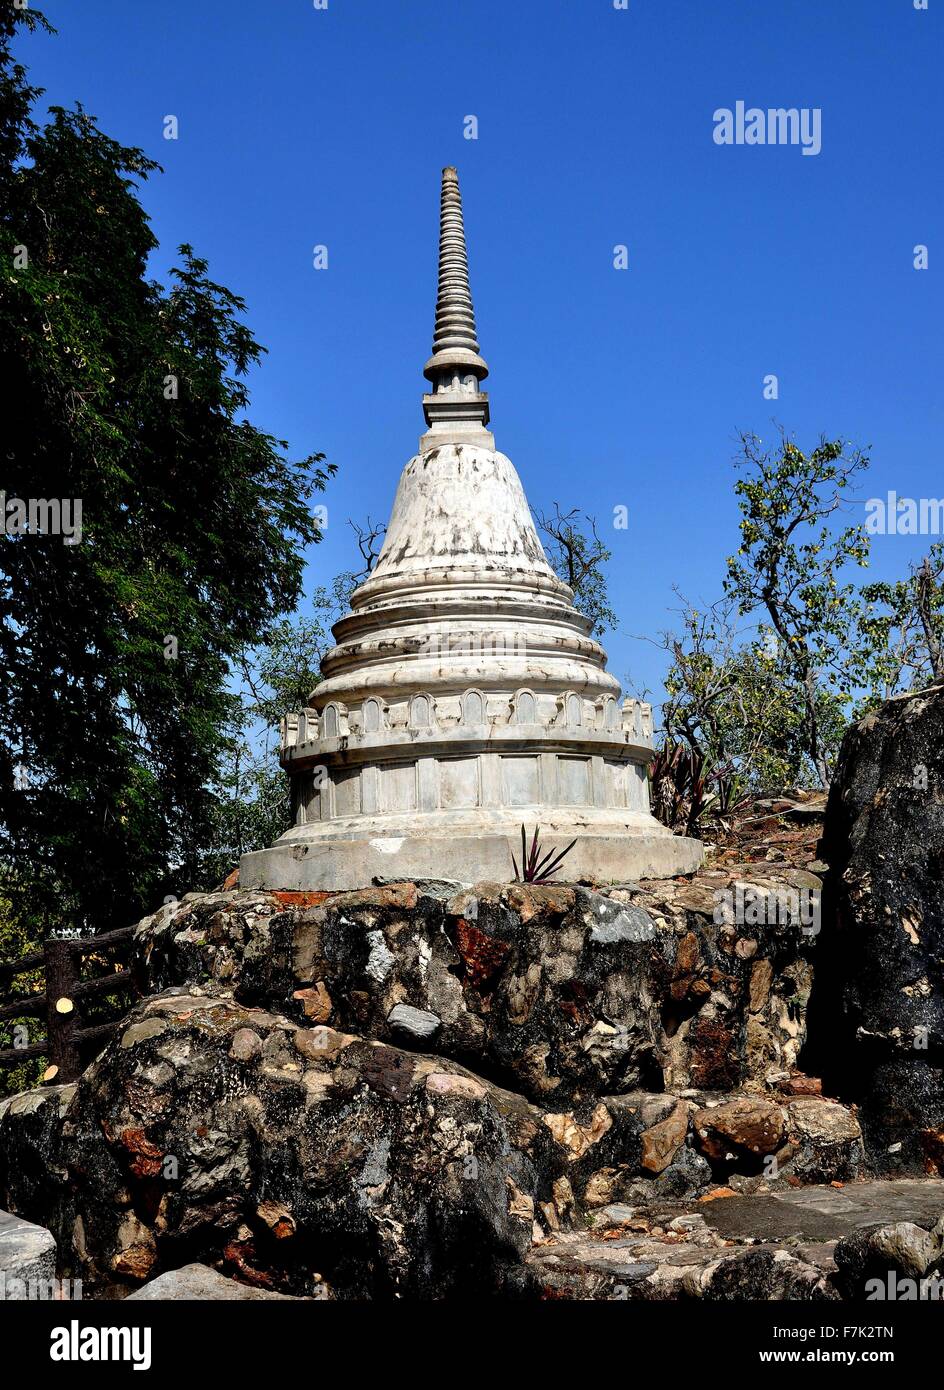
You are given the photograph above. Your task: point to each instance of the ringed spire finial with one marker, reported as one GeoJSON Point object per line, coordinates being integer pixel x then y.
{"type": "Point", "coordinates": [456, 404]}
{"type": "Point", "coordinates": [454, 341]}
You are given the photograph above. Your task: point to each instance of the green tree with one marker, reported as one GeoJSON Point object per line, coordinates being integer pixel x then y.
{"type": "Point", "coordinates": [748, 708]}
{"type": "Point", "coordinates": [727, 702]}
{"type": "Point", "coordinates": [252, 802]}
{"type": "Point", "coordinates": [16, 941]}
{"type": "Point", "coordinates": [578, 556]}
{"type": "Point", "coordinates": [731, 721]}
{"type": "Point", "coordinates": [118, 651]}
{"type": "Point", "coordinates": [790, 567]}
{"type": "Point", "coordinates": [369, 536]}
{"type": "Point", "coordinates": [900, 632]}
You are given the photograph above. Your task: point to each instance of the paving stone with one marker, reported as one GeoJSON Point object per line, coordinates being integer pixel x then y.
{"type": "Point", "coordinates": [825, 1214]}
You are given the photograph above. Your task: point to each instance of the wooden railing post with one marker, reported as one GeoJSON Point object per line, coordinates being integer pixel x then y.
{"type": "Point", "coordinates": [62, 974]}
{"type": "Point", "coordinates": [62, 1003]}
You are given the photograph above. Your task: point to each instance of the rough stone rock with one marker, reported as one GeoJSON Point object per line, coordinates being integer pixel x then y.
{"type": "Point", "coordinates": [199, 1282]}
{"type": "Point", "coordinates": [563, 994]}
{"type": "Point", "coordinates": [880, 999]}
{"type": "Point", "coordinates": [630, 1148]}
{"type": "Point", "coordinates": [419, 1023]}
{"type": "Point", "coordinates": [27, 1259]}
{"type": "Point", "coordinates": [827, 1140]}
{"type": "Point", "coordinates": [235, 938]}
{"type": "Point", "coordinates": [238, 1136]}
{"type": "Point", "coordinates": [744, 1126]}
{"type": "Point", "coordinates": [318, 1157]}
{"type": "Point", "coordinates": [901, 1248]}
{"type": "Point", "coordinates": [639, 1147]}
{"type": "Point", "coordinates": [315, 1002]}
{"type": "Point", "coordinates": [771, 1275]}
{"type": "Point", "coordinates": [661, 1143]}
{"type": "Point", "coordinates": [32, 1166]}
{"type": "Point", "coordinates": [800, 1085]}
{"type": "Point", "coordinates": [613, 921]}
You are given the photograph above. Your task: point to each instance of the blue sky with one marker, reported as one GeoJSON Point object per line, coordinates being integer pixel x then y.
{"type": "Point", "coordinates": [301, 126]}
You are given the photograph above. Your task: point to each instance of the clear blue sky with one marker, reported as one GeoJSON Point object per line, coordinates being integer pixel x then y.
{"type": "Point", "coordinates": [300, 126]}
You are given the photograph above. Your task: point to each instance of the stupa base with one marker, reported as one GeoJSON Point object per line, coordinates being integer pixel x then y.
{"type": "Point", "coordinates": [339, 865]}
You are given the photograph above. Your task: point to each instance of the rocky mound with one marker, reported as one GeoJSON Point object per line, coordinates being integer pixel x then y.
{"type": "Point", "coordinates": [559, 993]}
{"type": "Point", "coordinates": [436, 1090]}
{"type": "Point", "coordinates": [315, 1162]}
{"type": "Point", "coordinates": [881, 991]}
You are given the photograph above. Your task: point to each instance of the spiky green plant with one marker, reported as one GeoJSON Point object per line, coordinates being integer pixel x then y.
{"type": "Point", "coordinates": [535, 867]}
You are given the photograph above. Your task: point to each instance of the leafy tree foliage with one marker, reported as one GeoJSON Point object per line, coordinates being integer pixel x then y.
{"type": "Point", "coordinates": [900, 638]}
{"type": "Point", "coordinates": [728, 703]}
{"type": "Point", "coordinates": [16, 941]}
{"type": "Point", "coordinates": [252, 802]}
{"type": "Point", "coordinates": [117, 651]}
{"type": "Point", "coordinates": [578, 556]}
{"type": "Point", "coordinates": [790, 566]}
{"type": "Point", "coordinates": [731, 722]}
{"type": "Point", "coordinates": [757, 710]}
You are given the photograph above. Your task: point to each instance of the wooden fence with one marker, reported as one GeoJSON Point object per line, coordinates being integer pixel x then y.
{"type": "Point", "coordinates": [67, 1039]}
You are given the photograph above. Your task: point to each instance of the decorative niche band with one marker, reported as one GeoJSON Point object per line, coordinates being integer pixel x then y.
{"type": "Point", "coordinates": [471, 710]}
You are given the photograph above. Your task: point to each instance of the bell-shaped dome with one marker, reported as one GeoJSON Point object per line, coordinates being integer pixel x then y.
{"type": "Point", "coordinates": [463, 507]}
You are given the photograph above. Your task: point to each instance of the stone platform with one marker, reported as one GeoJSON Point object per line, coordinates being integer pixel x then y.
{"type": "Point", "coordinates": [557, 991]}
{"type": "Point", "coordinates": [311, 864]}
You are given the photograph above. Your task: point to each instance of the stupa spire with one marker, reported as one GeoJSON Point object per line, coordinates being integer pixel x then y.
{"type": "Point", "coordinates": [454, 340]}
{"type": "Point", "coordinates": [456, 408]}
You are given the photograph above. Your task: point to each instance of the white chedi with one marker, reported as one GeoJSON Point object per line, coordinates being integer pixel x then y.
{"type": "Point", "coordinates": [465, 694]}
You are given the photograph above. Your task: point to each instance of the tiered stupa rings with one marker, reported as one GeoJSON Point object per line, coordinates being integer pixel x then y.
{"type": "Point", "coordinates": [465, 695]}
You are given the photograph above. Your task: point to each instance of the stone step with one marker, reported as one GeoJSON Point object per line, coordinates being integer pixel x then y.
{"type": "Point", "coordinates": [820, 1213]}
{"type": "Point", "coordinates": [818, 1243]}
